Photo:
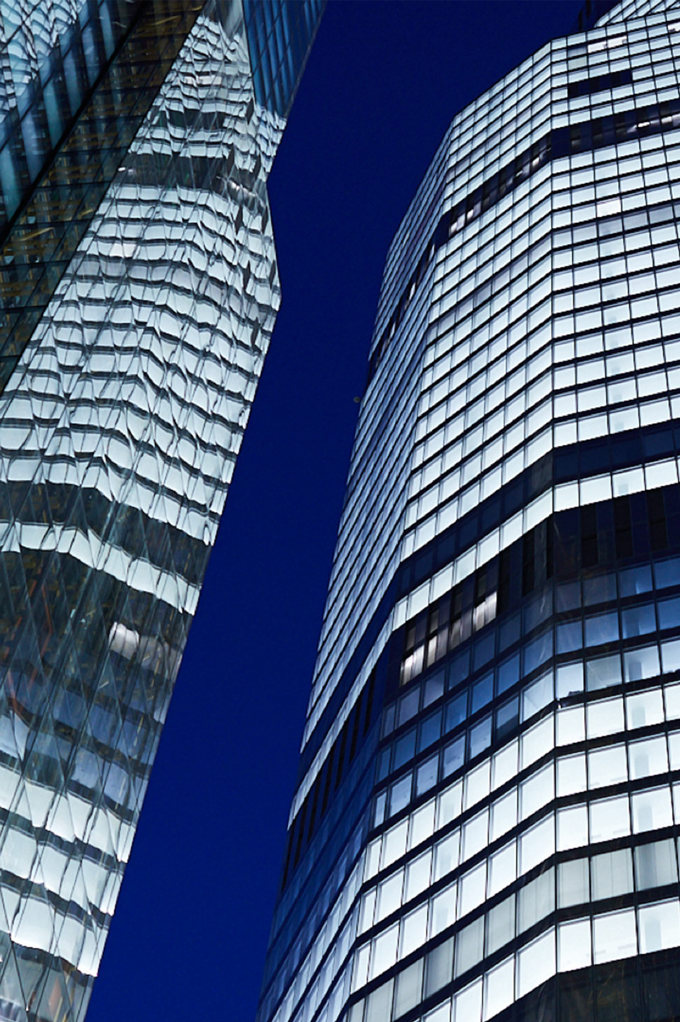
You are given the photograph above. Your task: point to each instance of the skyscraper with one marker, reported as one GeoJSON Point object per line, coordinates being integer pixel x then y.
{"type": "Point", "coordinates": [486, 819]}
{"type": "Point", "coordinates": [139, 290]}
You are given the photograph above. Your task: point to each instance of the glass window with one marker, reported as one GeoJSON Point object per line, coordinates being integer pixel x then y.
{"type": "Point", "coordinates": [502, 868]}
{"type": "Point", "coordinates": [504, 814]}
{"type": "Point", "coordinates": [614, 936]}
{"type": "Point", "coordinates": [422, 824]}
{"type": "Point", "coordinates": [659, 926]}
{"type": "Point", "coordinates": [413, 931]}
{"type": "Point", "coordinates": [611, 874]}
{"type": "Point", "coordinates": [537, 741]}
{"type": "Point", "coordinates": [468, 1002]}
{"type": "Point", "coordinates": [448, 804]}
{"type": "Point", "coordinates": [472, 887]}
{"type": "Point", "coordinates": [475, 834]}
{"type": "Point", "coordinates": [400, 794]}
{"type": "Point", "coordinates": [635, 580]}
{"type": "Point", "coordinates": [607, 766]}
{"type": "Point", "coordinates": [506, 718]}
{"type": "Point", "coordinates": [394, 843]}
{"type": "Point", "coordinates": [572, 883]}
{"type": "Point", "coordinates": [469, 946]}
{"type": "Point", "coordinates": [573, 945]}
{"type": "Point", "coordinates": [439, 967]}
{"type": "Point", "coordinates": [572, 827]}
{"type": "Point", "coordinates": [639, 664]}
{"type": "Point", "coordinates": [644, 708]}
{"type": "Point", "coordinates": [569, 636]}
{"type": "Point", "coordinates": [537, 844]}
{"type": "Point", "coordinates": [499, 987]}
{"type": "Point", "coordinates": [384, 952]}
{"type": "Point", "coordinates": [360, 974]}
{"type": "Point", "coordinates": [477, 784]}
{"type": "Point", "coordinates": [536, 900]}
{"type": "Point", "coordinates": [430, 730]}
{"type": "Point", "coordinates": [666, 573]}
{"type": "Point", "coordinates": [669, 613]}
{"type": "Point", "coordinates": [480, 737]}
{"type": "Point", "coordinates": [504, 762]}
{"type": "Point", "coordinates": [648, 757]}
{"type": "Point", "coordinates": [672, 700]}
{"type": "Point", "coordinates": [603, 672]}
{"type": "Point", "coordinates": [443, 912]}
{"type": "Point", "coordinates": [389, 895]}
{"type": "Point", "coordinates": [426, 774]}
{"type": "Point", "coordinates": [670, 655]}
{"type": "Point", "coordinates": [500, 926]}
{"type": "Point", "coordinates": [609, 818]}
{"type": "Point", "coordinates": [652, 810]}
{"type": "Point", "coordinates": [570, 725]}
{"type": "Point", "coordinates": [409, 985]}
{"type": "Point", "coordinates": [379, 1003]}
{"type": "Point", "coordinates": [602, 628]}
{"type": "Point", "coordinates": [537, 695]}
{"type": "Point", "coordinates": [655, 864]}
{"type": "Point", "coordinates": [418, 875]}
{"type": "Point", "coordinates": [536, 963]}
{"type": "Point", "coordinates": [604, 717]}
{"type": "Point", "coordinates": [456, 712]}
{"type": "Point", "coordinates": [454, 756]}
{"type": "Point", "coordinates": [569, 679]}
{"type": "Point", "coordinates": [638, 620]}
{"type": "Point", "coordinates": [367, 907]}
{"type": "Point", "coordinates": [446, 855]}
{"type": "Point", "coordinates": [537, 790]}
{"type": "Point", "coordinates": [571, 774]}
{"type": "Point", "coordinates": [508, 673]}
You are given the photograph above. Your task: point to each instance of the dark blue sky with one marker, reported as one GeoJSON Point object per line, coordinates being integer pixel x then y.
{"type": "Point", "coordinates": [383, 81]}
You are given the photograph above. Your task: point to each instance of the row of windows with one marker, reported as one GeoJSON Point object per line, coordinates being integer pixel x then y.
{"type": "Point", "coordinates": [576, 541]}
{"type": "Point", "coordinates": [559, 142]}
{"type": "Point", "coordinates": [600, 672]}
{"type": "Point", "coordinates": [573, 944]}
{"type": "Point", "coordinates": [619, 424]}
{"type": "Point", "coordinates": [567, 726]}
{"type": "Point", "coordinates": [511, 446]}
{"type": "Point", "coordinates": [329, 778]}
{"type": "Point", "coordinates": [598, 83]}
{"type": "Point", "coordinates": [586, 426]}
{"type": "Point", "coordinates": [569, 828]}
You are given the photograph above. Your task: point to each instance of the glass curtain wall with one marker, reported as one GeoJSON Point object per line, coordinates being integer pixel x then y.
{"type": "Point", "coordinates": [140, 290]}
{"type": "Point", "coordinates": [488, 811]}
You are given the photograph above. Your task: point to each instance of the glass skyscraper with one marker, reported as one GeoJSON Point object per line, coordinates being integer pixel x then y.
{"type": "Point", "coordinates": [138, 292]}
{"type": "Point", "coordinates": [487, 816]}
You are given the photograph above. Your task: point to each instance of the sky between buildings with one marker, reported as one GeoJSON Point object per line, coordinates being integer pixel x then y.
{"type": "Point", "coordinates": [383, 81]}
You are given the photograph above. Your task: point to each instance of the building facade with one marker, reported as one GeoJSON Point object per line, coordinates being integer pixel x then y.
{"type": "Point", "coordinates": [487, 817]}
{"type": "Point", "coordinates": [139, 290]}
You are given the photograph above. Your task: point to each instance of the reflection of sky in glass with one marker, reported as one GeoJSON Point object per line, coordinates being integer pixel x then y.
{"type": "Point", "coordinates": [120, 426]}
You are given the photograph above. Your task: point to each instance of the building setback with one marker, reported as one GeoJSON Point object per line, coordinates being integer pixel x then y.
{"type": "Point", "coordinates": [138, 289]}
{"type": "Point", "coordinates": [488, 807]}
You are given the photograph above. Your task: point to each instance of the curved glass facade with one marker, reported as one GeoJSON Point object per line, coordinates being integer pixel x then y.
{"type": "Point", "coordinates": [139, 291]}
{"type": "Point", "coordinates": [487, 818]}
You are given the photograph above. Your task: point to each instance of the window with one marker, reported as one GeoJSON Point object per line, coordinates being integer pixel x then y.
{"type": "Point", "coordinates": [614, 936]}
{"type": "Point", "coordinates": [572, 883]}
{"type": "Point", "coordinates": [573, 945]}
{"type": "Point", "coordinates": [659, 926]}
{"type": "Point", "coordinates": [655, 864]}
{"type": "Point", "coordinates": [611, 874]}
{"type": "Point", "coordinates": [500, 926]}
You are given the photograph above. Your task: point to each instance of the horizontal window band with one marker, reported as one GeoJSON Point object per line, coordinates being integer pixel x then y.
{"type": "Point", "coordinates": [631, 448]}
{"type": "Point", "coordinates": [585, 136]}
